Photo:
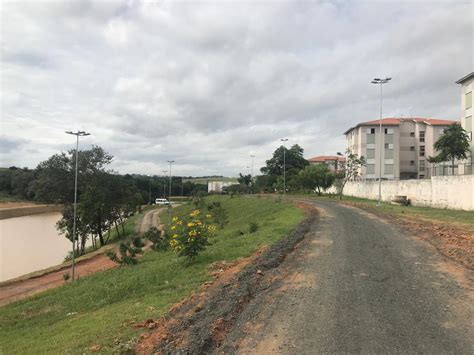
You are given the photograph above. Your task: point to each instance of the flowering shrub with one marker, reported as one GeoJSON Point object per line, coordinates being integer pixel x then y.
{"type": "Point", "coordinates": [190, 235]}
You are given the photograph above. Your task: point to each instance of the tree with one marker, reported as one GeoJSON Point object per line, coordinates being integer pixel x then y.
{"type": "Point", "coordinates": [55, 177]}
{"type": "Point", "coordinates": [293, 158]}
{"type": "Point", "coordinates": [245, 180]}
{"type": "Point", "coordinates": [452, 144]}
{"type": "Point", "coordinates": [350, 170]}
{"type": "Point", "coordinates": [316, 178]}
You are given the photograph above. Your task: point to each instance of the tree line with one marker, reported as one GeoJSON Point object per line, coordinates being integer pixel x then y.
{"type": "Point", "coordinates": [287, 168]}
{"type": "Point", "coordinates": [105, 198]}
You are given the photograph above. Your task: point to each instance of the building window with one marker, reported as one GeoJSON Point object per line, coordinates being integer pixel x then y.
{"type": "Point", "coordinates": [412, 148]}
{"type": "Point", "coordinates": [370, 169]}
{"type": "Point", "coordinates": [370, 130]}
{"type": "Point", "coordinates": [388, 146]}
{"type": "Point", "coordinates": [422, 176]}
{"type": "Point", "coordinates": [412, 134]}
{"type": "Point", "coordinates": [370, 153]}
{"type": "Point", "coordinates": [468, 100]}
{"type": "Point", "coordinates": [388, 169]}
{"type": "Point", "coordinates": [422, 150]}
{"type": "Point", "coordinates": [422, 136]}
{"type": "Point", "coordinates": [412, 162]}
{"type": "Point", "coordinates": [422, 165]}
{"type": "Point", "coordinates": [388, 130]}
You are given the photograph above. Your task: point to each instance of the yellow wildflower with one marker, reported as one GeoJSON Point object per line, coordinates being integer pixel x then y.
{"type": "Point", "coordinates": [175, 219]}
{"type": "Point", "coordinates": [190, 224]}
{"type": "Point", "coordinates": [173, 228]}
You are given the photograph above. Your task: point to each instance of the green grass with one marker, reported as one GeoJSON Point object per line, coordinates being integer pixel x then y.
{"type": "Point", "coordinates": [457, 217]}
{"type": "Point", "coordinates": [96, 309]}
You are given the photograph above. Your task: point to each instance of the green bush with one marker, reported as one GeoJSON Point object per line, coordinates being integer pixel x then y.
{"type": "Point", "coordinates": [159, 239]}
{"type": "Point", "coordinates": [219, 214]}
{"type": "Point", "coordinates": [253, 227]}
{"type": "Point", "coordinates": [191, 234]}
{"type": "Point", "coordinates": [126, 256]}
{"type": "Point", "coordinates": [137, 242]}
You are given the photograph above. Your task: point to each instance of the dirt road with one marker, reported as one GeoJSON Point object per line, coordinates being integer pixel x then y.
{"type": "Point", "coordinates": [356, 284]}
{"type": "Point", "coordinates": [16, 290]}
{"type": "Point", "coordinates": [150, 219]}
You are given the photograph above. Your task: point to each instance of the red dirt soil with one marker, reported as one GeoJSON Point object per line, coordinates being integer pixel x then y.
{"type": "Point", "coordinates": [25, 288]}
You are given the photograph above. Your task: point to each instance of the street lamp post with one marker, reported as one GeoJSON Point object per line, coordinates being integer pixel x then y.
{"type": "Point", "coordinates": [77, 134]}
{"type": "Point", "coordinates": [284, 140]}
{"type": "Point", "coordinates": [164, 182]}
{"type": "Point", "coordinates": [169, 195]}
{"type": "Point", "coordinates": [251, 171]}
{"type": "Point", "coordinates": [149, 192]}
{"type": "Point", "coordinates": [380, 82]}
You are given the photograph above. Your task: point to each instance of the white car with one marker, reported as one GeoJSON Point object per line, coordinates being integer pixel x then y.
{"type": "Point", "coordinates": [162, 201]}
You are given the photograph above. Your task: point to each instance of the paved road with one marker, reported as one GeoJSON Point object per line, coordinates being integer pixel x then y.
{"type": "Point", "coordinates": [359, 285]}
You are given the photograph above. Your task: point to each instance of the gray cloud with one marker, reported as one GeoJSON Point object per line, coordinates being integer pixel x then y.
{"type": "Point", "coordinates": [209, 83]}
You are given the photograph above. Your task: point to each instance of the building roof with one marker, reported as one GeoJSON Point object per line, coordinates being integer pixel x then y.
{"type": "Point", "coordinates": [465, 78]}
{"type": "Point", "coordinates": [393, 121]}
{"type": "Point", "coordinates": [323, 158]}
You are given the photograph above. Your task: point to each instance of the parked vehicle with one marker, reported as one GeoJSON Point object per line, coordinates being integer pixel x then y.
{"type": "Point", "coordinates": [162, 201]}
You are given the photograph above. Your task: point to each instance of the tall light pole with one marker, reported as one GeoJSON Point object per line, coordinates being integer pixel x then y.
{"type": "Point", "coordinates": [164, 182]}
{"type": "Point", "coordinates": [77, 134]}
{"type": "Point", "coordinates": [251, 171]}
{"type": "Point", "coordinates": [380, 82]}
{"type": "Point", "coordinates": [169, 196]}
{"type": "Point", "coordinates": [149, 192]}
{"type": "Point", "coordinates": [284, 140]}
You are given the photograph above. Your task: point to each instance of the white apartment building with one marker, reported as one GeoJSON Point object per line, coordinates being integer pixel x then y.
{"type": "Point", "coordinates": [467, 84]}
{"type": "Point", "coordinates": [407, 143]}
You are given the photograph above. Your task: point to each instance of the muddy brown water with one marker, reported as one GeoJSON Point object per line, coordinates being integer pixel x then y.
{"type": "Point", "coordinates": [30, 243]}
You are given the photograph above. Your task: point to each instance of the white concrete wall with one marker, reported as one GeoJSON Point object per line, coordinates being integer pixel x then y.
{"type": "Point", "coordinates": [453, 192]}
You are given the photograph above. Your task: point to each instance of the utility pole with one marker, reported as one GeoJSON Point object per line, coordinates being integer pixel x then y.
{"type": "Point", "coordinates": [284, 140]}
{"type": "Point", "coordinates": [164, 182]}
{"type": "Point", "coordinates": [251, 171]}
{"type": "Point", "coordinates": [380, 82]}
{"type": "Point", "coordinates": [149, 192]}
{"type": "Point", "coordinates": [77, 134]}
{"type": "Point", "coordinates": [169, 196]}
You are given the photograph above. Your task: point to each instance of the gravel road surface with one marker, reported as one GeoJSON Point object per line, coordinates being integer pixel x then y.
{"type": "Point", "coordinates": [357, 284]}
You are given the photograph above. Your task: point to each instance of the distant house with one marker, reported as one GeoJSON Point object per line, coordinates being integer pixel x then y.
{"type": "Point", "coordinates": [218, 186]}
{"type": "Point", "coordinates": [334, 162]}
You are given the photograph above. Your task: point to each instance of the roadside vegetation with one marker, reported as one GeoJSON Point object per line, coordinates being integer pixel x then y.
{"type": "Point", "coordinates": [98, 312]}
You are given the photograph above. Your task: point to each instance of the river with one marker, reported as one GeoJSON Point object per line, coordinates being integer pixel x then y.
{"type": "Point", "coordinates": [30, 243]}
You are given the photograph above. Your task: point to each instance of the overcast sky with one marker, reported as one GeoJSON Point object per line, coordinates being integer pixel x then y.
{"type": "Point", "coordinates": [207, 84]}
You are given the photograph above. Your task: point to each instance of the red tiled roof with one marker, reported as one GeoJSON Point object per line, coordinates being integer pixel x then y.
{"type": "Point", "coordinates": [396, 121]}
{"type": "Point", "coordinates": [393, 121]}
{"type": "Point", "coordinates": [323, 158]}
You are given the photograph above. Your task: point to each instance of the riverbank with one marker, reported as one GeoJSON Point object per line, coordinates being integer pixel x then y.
{"type": "Point", "coordinates": [52, 277]}
{"type": "Point", "coordinates": [21, 209]}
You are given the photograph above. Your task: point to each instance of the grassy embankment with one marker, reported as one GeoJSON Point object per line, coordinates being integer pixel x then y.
{"type": "Point", "coordinates": [437, 215]}
{"type": "Point", "coordinates": [97, 310]}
